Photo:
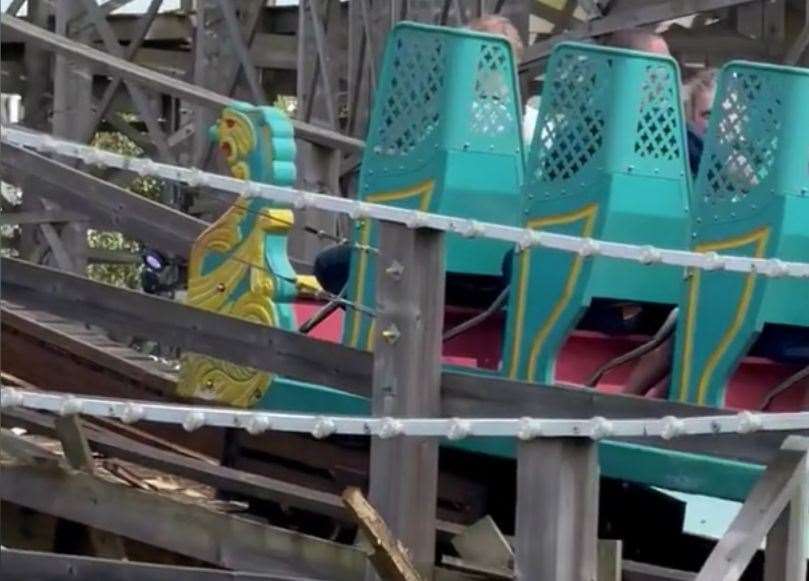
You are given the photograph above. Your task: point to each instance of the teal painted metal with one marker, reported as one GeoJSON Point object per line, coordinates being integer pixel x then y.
{"type": "Point", "coordinates": [270, 159]}
{"type": "Point", "coordinates": [608, 161]}
{"type": "Point", "coordinates": [611, 138]}
{"type": "Point", "coordinates": [444, 137]}
{"type": "Point", "coordinates": [752, 200]}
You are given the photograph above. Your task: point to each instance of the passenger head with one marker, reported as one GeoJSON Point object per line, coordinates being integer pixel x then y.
{"type": "Point", "coordinates": [640, 40]}
{"type": "Point", "coordinates": [699, 93]}
{"type": "Point", "coordinates": [502, 26]}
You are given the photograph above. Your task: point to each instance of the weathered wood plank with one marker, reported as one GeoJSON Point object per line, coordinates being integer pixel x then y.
{"type": "Point", "coordinates": [135, 216]}
{"type": "Point", "coordinates": [557, 510]}
{"type": "Point", "coordinates": [609, 560]}
{"type": "Point", "coordinates": [389, 556]}
{"type": "Point", "coordinates": [467, 395]}
{"type": "Point", "coordinates": [407, 376]}
{"type": "Point", "coordinates": [634, 571]}
{"type": "Point", "coordinates": [188, 529]}
{"type": "Point", "coordinates": [39, 217]}
{"type": "Point", "coordinates": [620, 20]}
{"type": "Point", "coordinates": [220, 477]}
{"type": "Point", "coordinates": [786, 555]}
{"type": "Point", "coordinates": [115, 66]}
{"type": "Point", "coordinates": [17, 564]}
{"type": "Point", "coordinates": [156, 384]}
{"type": "Point", "coordinates": [79, 456]}
{"type": "Point", "coordinates": [134, 313]}
{"type": "Point", "coordinates": [763, 506]}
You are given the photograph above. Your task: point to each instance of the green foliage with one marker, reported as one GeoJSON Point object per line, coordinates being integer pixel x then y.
{"type": "Point", "coordinates": [287, 103]}
{"type": "Point", "coordinates": [125, 275]}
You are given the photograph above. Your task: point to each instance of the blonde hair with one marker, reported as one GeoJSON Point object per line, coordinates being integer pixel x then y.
{"type": "Point", "coordinates": [502, 26]}
{"type": "Point", "coordinates": [701, 82]}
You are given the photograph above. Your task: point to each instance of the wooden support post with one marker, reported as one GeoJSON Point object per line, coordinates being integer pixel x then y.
{"type": "Point", "coordinates": [406, 381]}
{"type": "Point", "coordinates": [389, 556]}
{"type": "Point", "coordinates": [37, 71]}
{"type": "Point", "coordinates": [782, 483]}
{"type": "Point", "coordinates": [787, 542]}
{"type": "Point", "coordinates": [557, 510]}
{"type": "Point", "coordinates": [79, 456]}
{"type": "Point", "coordinates": [609, 560]}
{"type": "Point", "coordinates": [74, 444]}
{"type": "Point", "coordinates": [72, 98]}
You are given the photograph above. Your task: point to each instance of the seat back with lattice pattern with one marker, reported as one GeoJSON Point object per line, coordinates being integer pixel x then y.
{"type": "Point", "coordinates": [608, 161]}
{"type": "Point", "coordinates": [752, 199]}
{"type": "Point", "coordinates": [444, 137]}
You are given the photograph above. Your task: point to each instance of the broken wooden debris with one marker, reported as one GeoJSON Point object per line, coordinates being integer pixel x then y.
{"type": "Point", "coordinates": [389, 557]}
{"type": "Point", "coordinates": [483, 544]}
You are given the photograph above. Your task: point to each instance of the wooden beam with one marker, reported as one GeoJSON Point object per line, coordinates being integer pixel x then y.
{"type": "Point", "coordinates": [482, 543]}
{"type": "Point", "coordinates": [39, 217]}
{"type": "Point", "coordinates": [143, 106]}
{"type": "Point", "coordinates": [798, 46]}
{"type": "Point", "coordinates": [72, 97]}
{"type": "Point", "coordinates": [109, 443]}
{"type": "Point", "coordinates": [37, 70]}
{"type": "Point", "coordinates": [406, 383]}
{"type": "Point", "coordinates": [465, 395]}
{"type": "Point", "coordinates": [74, 444]}
{"type": "Point", "coordinates": [135, 216]}
{"type": "Point", "coordinates": [629, 18]}
{"type": "Point", "coordinates": [115, 66]}
{"type": "Point", "coordinates": [187, 529]}
{"type": "Point", "coordinates": [557, 510]}
{"type": "Point", "coordinates": [389, 557]}
{"type": "Point", "coordinates": [609, 560]}
{"type": "Point", "coordinates": [786, 554]}
{"type": "Point", "coordinates": [78, 455]}
{"type": "Point", "coordinates": [220, 477]}
{"type": "Point", "coordinates": [14, 7]}
{"type": "Point", "coordinates": [633, 571]}
{"type": "Point", "coordinates": [17, 564]}
{"type": "Point", "coordinates": [85, 22]}
{"type": "Point", "coordinates": [64, 348]}
{"type": "Point", "coordinates": [244, 343]}
{"type": "Point", "coordinates": [238, 43]}
{"type": "Point", "coordinates": [768, 499]}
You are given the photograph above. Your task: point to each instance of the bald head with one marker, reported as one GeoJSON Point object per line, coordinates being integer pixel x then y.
{"type": "Point", "coordinates": [502, 26]}
{"type": "Point", "coordinates": [638, 40]}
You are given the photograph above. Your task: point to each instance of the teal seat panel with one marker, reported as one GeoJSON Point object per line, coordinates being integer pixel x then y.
{"type": "Point", "coordinates": [786, 300]}
{"type": "Point", "coordinates": [749, 201]}
{"type": "Point", "coordinates": [444, 137]}
{"type": "Point", "coordinates": [608, 162]}
{"type": "Point", "coordinates": [478, 196]}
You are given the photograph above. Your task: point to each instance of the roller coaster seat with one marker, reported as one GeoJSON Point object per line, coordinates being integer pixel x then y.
{"type": "Point", "coordinates": [752, 199]}
{"type": "Point", "coordinates": [444, 137]}
{"type": "Point", "coordinates": [608, 161]}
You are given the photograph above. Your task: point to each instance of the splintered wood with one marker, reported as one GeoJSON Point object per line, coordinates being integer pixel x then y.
{"type": "Point", "coordinates": [389, 557]}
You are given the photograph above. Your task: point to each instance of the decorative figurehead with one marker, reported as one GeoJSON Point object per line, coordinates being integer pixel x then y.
{"type": "Point", "coordinates": [239, 265]}
{"type": "Point", "coordinates": [257, 143]}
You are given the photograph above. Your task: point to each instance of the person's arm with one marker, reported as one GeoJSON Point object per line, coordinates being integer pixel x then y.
{"type": "Point", "coordinates": [651, 369]}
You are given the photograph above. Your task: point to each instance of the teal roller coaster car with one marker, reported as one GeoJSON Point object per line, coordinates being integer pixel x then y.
{"type": "Point", "coordinates": [608, 161]}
